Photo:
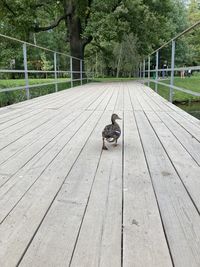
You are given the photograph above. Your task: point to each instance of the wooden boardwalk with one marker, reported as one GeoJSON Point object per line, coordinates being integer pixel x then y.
{"type": "Point", "coordinates": [65, 202]}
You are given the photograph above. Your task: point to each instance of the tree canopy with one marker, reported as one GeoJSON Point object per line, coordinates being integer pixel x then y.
{"type": "Point", "coordinates": [112, 35]}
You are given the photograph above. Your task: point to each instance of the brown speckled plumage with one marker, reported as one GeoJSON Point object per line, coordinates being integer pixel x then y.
{"type": "Point", "coordinates": [111, 132]}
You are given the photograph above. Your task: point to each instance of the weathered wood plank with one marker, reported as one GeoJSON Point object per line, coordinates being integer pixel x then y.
{"type": "Point", "coordinates": [63, 201]}
{"type": "Point", "coordinates": [186, 167]}
{"type": "Point", "coordinates": [144, 240]}
{"type": "Point", "coordinates": [180, 217]}
{"type": "Point", "coordinates": [19, 228]}
{"type": "Point", "coordinates": [30, 138]}
{"type": "Point", "coordinates": [69, 206]}
{"type": "Point", "coordinates": [104, 208]}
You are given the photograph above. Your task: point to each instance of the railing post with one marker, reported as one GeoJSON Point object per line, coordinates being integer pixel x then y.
{"type": "Point", "coordinates": [157, 66]}
{"type": "Point", "coordinates": [26, 70]}
{"type": "Point", "coordinates": [81, 71]}
{"type": "Point", "coordinates": [144, 69]}
{"type": "Point", "coordinates": [172, 71]}
{"type": "Point", "coordinates": [55, 72]}
{"type": "Point", "coordinates": [140, 70]}
{"type": "Point", "coordinates": [71, 71]}
{"type": "Point", "coordinates": [149, 66]}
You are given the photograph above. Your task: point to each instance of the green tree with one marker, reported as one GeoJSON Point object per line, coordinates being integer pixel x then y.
{"type": "Point", "coordinates": [98, 22]}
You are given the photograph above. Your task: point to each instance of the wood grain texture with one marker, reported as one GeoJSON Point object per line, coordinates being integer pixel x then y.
{"type": "Point", "coordinates": [65, 202]}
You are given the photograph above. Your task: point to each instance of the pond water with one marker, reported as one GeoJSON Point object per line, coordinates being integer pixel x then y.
{"type": "Point", "coordinates": [192, 108]}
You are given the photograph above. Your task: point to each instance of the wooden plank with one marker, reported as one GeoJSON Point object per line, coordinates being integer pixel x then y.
{"type": "Point", "coordinates": [132, 90]}
{"type": "Point", "coordinates": [190, 127]}
{"type": "Point", "coordinates": [19, 228]}
{"type": "Point", "coordinates": [28, 139]}
{"type": "Point", "coordinates": [63, 202]}
{"type": "Point", "coordinates": [120, 100]}
{"type": "Point", "coordinates": [144, 104]}
{"type": "Point", "coordinates": [185, 138]}
{"type": "Point", "coordinates": [94, 104]}
{"type": "Point", "coordinates": [103, 104]}
{"type": "Point", "coordinates": [73, 198]}
{"type": "Point", "coordinates": [104, 208]}
{"type": "Point", "coordinates": [40, 147]}
{"type": "Point", "coordinates": [127, 101]}
{"type": "Point", "coordinates": [27, 112]}
{"type": "Point", "coordinates": [180, 217]}
{"type": "Point", "coordinates": [34, 167]}
{"type": "Point", "coordinates": [167, 106]}
{"type": "Point", "coordinates": [21, 130]}
{"type": "Point", "coordinates": [21, 108]}
{"type": "Point", "coordinates": [112, 102]}
{"type": "Point", "coordinates": [186, 167]}
{"type": "Point", "coordinates": [144, 240]}
{"type": "Point", "coordinates": [34, 116]}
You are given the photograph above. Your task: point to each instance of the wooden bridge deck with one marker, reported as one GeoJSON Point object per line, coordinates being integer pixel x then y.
{"type": "Point", "coordinates": [64, 202]}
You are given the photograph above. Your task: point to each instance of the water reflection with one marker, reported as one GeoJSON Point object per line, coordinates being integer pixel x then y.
{"type": "Point", "coordinates": [192, 108]}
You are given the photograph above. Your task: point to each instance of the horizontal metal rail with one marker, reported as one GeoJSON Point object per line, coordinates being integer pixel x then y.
{"type": "Point", "coordinates": [34, 71]}
{"type": "Point", "coordinates": [177, 36]}
{"type": "Point", "coordinates": [39, 71]}
{"type": "Point", "coordinates": [175, 87]}
{"type": "Point", "coordinates": [30, 86]}
{"type": "Point", "coordinates": [37, 46]}
{"type": "Point", "coordinates": [177, 69]}
{"type": "Point", "coordinates": [143, 71]}
{"type": "Point", "coordinates": [80, 73]}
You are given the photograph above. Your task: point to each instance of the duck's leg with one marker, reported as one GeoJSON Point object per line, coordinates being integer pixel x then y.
{"type": "Point", "coordinates": [115, 144]}
{"type": "Point", "coordinates": [104, 147]}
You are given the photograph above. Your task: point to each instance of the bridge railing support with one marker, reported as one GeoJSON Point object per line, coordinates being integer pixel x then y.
{"type": "Point", "coordinates": [149, 68]}
{"type": "Point", "coordinates": [172, 72]}
{"type": "Point", "coordinates": [154, 71]}
{"type": "Point", "coordinates": [144, 69]}
{"type": "Point", "coordinates": [55, 72]}
{"type": "Point", "coordinates": [157, 66]}
{"type": "Point", "coordinates": [26, 70]}
{"type": "Point", "coordinates": [41, 61]}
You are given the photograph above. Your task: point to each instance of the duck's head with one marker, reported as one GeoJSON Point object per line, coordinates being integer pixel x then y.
{"type": "Point", "coordinates": [115, 117]}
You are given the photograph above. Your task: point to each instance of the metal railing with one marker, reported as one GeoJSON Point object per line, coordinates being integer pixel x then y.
{"type": "Point", "coordinates": [54, 71]}
{"type": "Point", "coordinates": [146, 73]}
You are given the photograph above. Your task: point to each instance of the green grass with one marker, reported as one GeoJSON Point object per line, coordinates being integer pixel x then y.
{"type": "Point", "coordinates": [21, 82]}
{"type": "Point", "coordinates": [8, 98]}
{"type": "Point", "coordinates": [192, 83]}
{"type": "Point", "coordinates": [112, 79]}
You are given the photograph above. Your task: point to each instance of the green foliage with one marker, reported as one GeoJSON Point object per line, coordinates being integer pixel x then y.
{"type": "Point", "coordinates": [191, 83]}
{"type": "Point", "coordinates": [8, 98]}
{"type": "Point", "coordinates": [46, 64]}
{"type": "Point", "coordinates": [138, 26]}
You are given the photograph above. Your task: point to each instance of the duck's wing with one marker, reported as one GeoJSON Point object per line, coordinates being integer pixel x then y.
{"type": "Point", "coordinates": [116, 131]}
{"type": "Point", "coordinates": [111, 131]}
{"type": "Point", "coordinates": [108, 131]}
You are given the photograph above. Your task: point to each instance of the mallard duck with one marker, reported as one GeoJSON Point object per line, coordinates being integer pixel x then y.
{"type": "Point", "coordinates": [111, 132]}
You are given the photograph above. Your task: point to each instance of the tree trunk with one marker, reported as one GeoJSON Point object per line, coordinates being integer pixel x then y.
{"type": "Point", "coordinates": [119, 61]}
{"type": "Point", "coordinates": [77, 44]}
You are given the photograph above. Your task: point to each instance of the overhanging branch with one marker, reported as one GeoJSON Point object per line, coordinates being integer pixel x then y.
{"type": "Point", "coordinates": [53, 25]}
{"type": "Point", "coordinates": [8, 7]}
{"type": "Point", "coordinates": [87, 40]}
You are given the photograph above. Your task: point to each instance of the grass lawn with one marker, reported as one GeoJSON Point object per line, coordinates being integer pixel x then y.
{"type": "Point", "coordinates": [8, 98]}
{"type": "Point", "coordinates": [112, 79]}
{"type": "Point", "coordinates": [192, 83]}
{"type": "Point", "coordinates": [21, 82]}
